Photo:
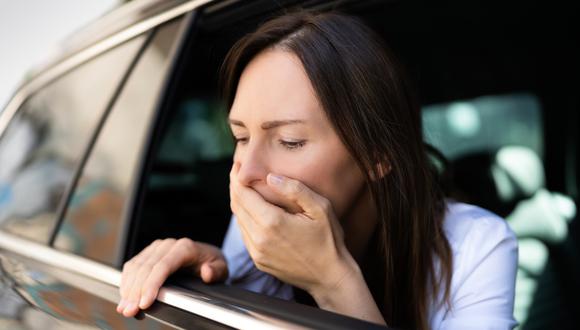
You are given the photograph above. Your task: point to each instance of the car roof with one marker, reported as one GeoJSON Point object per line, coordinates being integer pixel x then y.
{"type": "Point", "coordinates": [111, 23]}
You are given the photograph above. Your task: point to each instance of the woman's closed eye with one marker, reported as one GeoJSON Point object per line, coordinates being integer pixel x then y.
{"type": "Point", "coordinates": [287, 144]}
{"type": "Point", "coordinates": [240, 140]}
{"type": "Point", "coordinates": [292, 144]}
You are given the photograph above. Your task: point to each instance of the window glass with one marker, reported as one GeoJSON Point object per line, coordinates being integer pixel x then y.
{"type": "Point", "coordinates": [93, 222]}
{"type": "Point", "coordinates": [45, 141]}
{"type": "Point", "coordinates": [187, 189]}
{"type": "Point", "coordinates": [484, 123]}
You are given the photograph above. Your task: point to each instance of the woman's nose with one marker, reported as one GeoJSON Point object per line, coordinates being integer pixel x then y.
{"type": "Point", "coordinates": [252, 166]}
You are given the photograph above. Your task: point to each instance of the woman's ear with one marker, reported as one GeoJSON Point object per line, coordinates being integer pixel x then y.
{"type": "Point", "coordinates": [381, 170]}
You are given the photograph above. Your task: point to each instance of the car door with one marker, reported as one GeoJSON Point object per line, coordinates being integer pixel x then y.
{"type": "Point", "coordinates": [42, 148]}
{"type": "Point", "coordinates": [63, 216]}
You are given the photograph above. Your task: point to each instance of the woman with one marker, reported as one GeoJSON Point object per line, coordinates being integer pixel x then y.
{"type": "Point", "coordinates": [333, 194]}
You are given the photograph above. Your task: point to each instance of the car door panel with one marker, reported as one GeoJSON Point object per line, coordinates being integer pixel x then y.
{"type": "Point", "coordinates": [74, 300]}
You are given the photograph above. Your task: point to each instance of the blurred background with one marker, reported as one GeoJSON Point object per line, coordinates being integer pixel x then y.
{"type": "Point", "coordinates": [31, 29]}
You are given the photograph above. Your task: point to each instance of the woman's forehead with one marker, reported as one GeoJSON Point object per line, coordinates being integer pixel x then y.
{"type": "Point", "coordinates": [274, 86]}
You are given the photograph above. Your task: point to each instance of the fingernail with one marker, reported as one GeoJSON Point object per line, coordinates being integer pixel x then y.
{"type": "Point", "coordinates": [275, 179]}
{"type": "Point", "coordinates": [121, 306]}
{"type": "Point", "coordinates": [144, 299]}
{"type": "Point", "coordinates": [129, 308]}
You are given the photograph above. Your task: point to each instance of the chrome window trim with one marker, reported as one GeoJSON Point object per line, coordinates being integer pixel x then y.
{"type": "Point", "coordinates": [133, 194]}
{"type": "Point", "coordinates": [191, 302]}
{"type": "Point", "coordinates": [52, 73]}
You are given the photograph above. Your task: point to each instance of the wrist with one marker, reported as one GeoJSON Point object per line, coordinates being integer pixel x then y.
{"type": "Point", "coordinates": [348, 294]}
{"type": "Point", "coordinates": [339, 279]}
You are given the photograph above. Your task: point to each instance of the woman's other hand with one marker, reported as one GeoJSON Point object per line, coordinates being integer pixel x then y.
{"type": "Point", "coordinates": [145, 273]}
{"type": "Point", "coordinates": [305, 249]}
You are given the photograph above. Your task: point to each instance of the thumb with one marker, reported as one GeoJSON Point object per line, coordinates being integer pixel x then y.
{"type": "Point", "coordinates": [214, 271]}
{"type": "Point", "coordinates": [313, 204]}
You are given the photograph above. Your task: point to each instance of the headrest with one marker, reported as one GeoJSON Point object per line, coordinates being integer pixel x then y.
{"type": "Point", "coordinates": [499, 179]}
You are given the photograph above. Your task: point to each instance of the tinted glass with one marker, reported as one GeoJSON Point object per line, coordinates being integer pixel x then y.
{"type": "Point", "coordinates": [93, 222]}
{"type": "Point", "coordinates": [187, 189]}
{"type": "Point", "coordinates": [484, 123]}
{"type": "Point", "coordinates": [44, 143]}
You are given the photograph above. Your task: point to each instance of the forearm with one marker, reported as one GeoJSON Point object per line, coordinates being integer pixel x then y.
{"type": "Point", "coordinates": [349, 296]}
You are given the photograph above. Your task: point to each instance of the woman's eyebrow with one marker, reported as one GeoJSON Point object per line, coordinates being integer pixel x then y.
{"type": "Point", "coordinates": [268, 124]}
{"type": "Point", "coordinates": [276, 123]}
{"type": "Point", "coordinates": [235, 122]}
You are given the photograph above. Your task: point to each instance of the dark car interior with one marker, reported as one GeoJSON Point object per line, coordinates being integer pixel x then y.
{"type": "Point", "coordinates": [456, 52]}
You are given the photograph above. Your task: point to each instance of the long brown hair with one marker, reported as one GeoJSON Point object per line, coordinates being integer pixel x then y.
{"type": "Point", "coordinates": [364, 95]}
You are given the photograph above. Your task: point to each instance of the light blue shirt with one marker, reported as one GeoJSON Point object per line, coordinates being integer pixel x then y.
{"type": "Point", "coordinates": [485, 256]}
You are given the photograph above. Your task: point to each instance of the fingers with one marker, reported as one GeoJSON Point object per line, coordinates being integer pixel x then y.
{"type": "Point", "coordinates": [130, 271]}
{"type": "Point", "coordinates": [146, 267]}
{"type": "Point", "coordinates": [241, 196]}
{"type": "Point", "coordinates": [243, 217]}
{"type": "Point", "coordinates": [214, 271]}
{"type": "Point", "coordinates": [181, 252]}
{"type": "Point", "coordinates": [314, 205]}
{"type": "Point", "coordinates": [144, 275]}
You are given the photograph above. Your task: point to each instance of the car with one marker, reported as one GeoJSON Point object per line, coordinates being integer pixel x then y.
{"type": "Point", "coordinates": [121, 139]}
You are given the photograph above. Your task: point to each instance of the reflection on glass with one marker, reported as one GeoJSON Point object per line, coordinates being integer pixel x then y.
{"type": "Point", "coordinates": [94, 220]}
{"type": "Point", "coordinates": [484, 123]}
{"type": "Point", "coordinates": [44, 143]}
{"type": "Point", "coordinates": [187, 188]}
{"type": "Point", "coordinates": [463, 118]}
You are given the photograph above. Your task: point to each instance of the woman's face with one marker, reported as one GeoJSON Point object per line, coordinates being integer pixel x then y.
{"type": "Point", "coordinates": [281, 128]}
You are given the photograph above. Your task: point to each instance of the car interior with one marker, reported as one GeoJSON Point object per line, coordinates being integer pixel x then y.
{"type": "Point", "coordinates": [498, 98]}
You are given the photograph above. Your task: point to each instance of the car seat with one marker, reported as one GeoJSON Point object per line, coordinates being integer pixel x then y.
{"type": "Point", "coordinates": [510, 182]}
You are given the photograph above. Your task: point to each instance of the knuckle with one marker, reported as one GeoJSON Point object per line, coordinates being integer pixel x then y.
{"type": "Point", "coordinates": [258, 257]}
{"type": "Point", "coordinates": [184, 243]}
{"type": "Point", "coordinates": [128, 265]}
{"type": "Point", "coordinates": [295, 187]}
{"type": "Point", "coordinates": [186, 246]}
{"type": "Point", "coordinates": [271, 228]}
{"type": "Point", "coordinates": [261, 246]}
{"type": "Point", "coordinates": [169, 241]}
{"type": "Point", "coordinates": [325, 205]}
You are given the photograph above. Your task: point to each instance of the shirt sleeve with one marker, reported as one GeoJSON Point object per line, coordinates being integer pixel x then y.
{"type": "Point", "coordinates": [483, 285]}
{"type": "Point", "coordinates": [242, 271]}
